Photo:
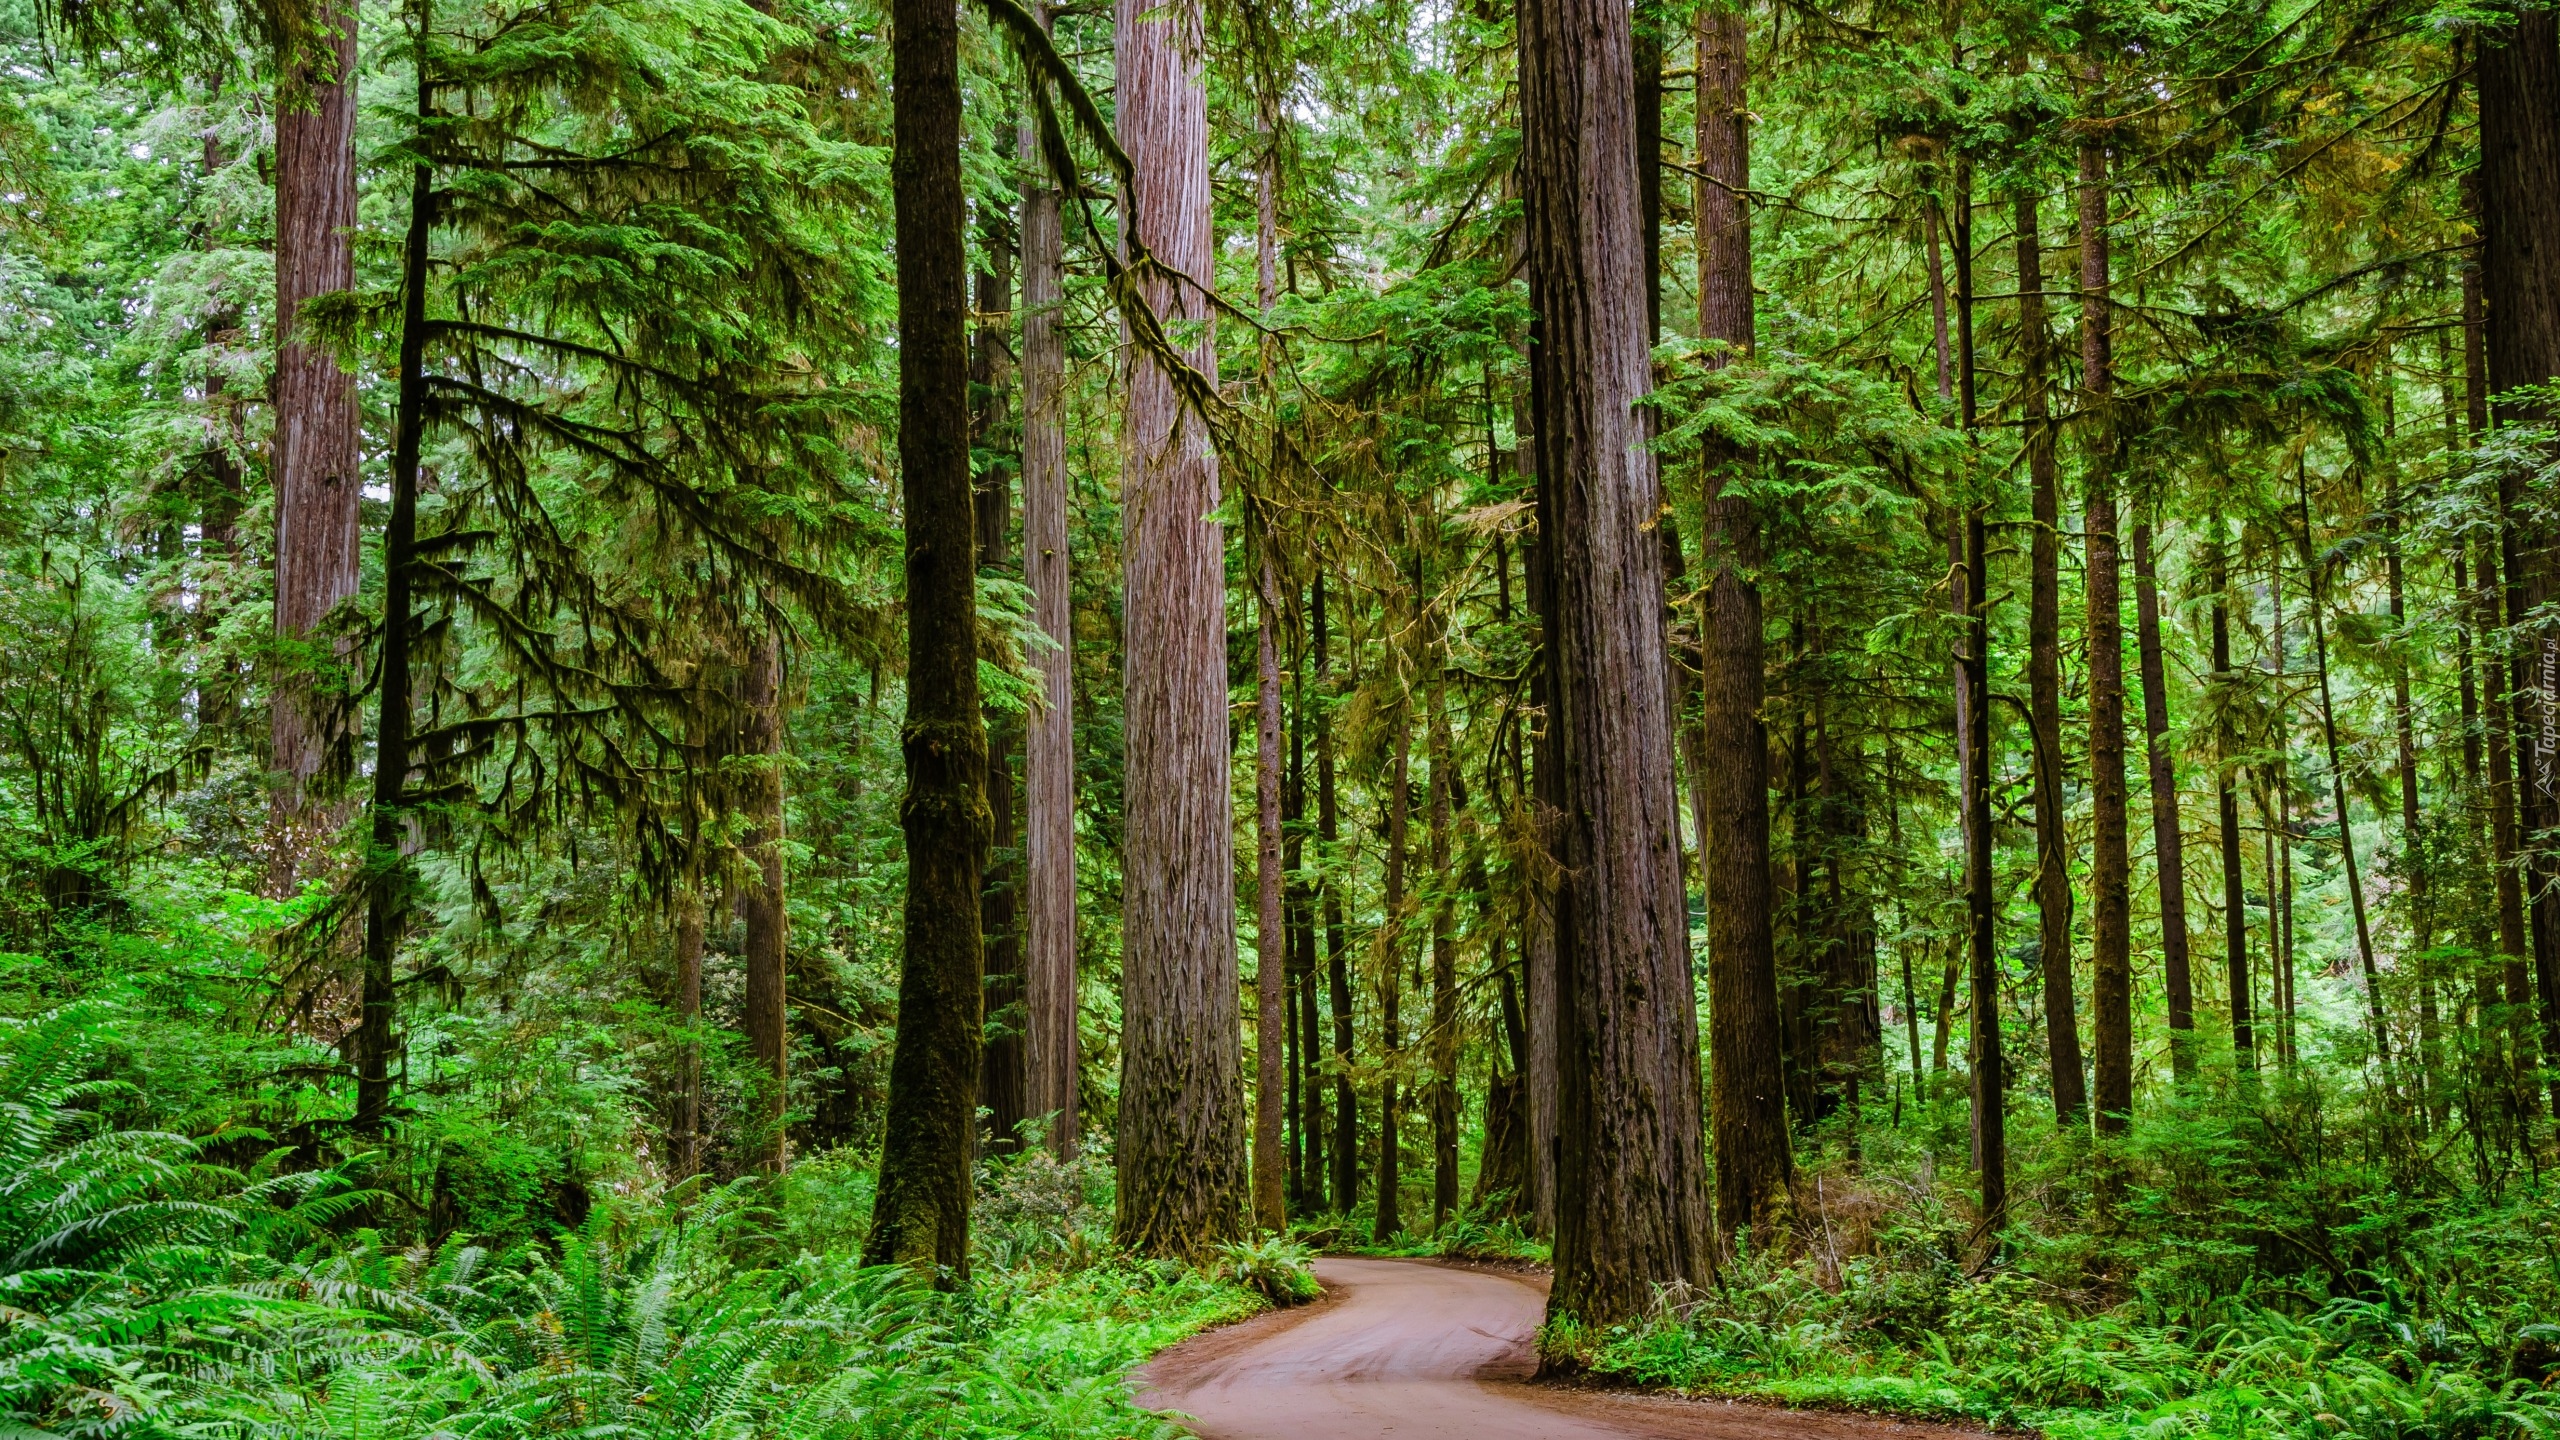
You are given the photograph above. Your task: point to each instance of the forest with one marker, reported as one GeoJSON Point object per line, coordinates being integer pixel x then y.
{"type": "Point", "coordinates": [818, 718]}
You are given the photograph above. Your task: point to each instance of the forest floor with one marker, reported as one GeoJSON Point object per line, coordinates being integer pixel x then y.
{"type": "Point", "coordinates": [1413, 1350]}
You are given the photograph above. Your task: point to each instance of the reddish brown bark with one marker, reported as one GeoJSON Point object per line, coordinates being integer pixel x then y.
{"type": "Point", "coordinates": [1181, 1153]}
{"type": "Point", "coordinates": [2168, 837]}
{"type": "Point", "coordinates": [763, 1013]}
{"type": "Point", "coordinates": [1631, 1211]}
{"type": "Point", "coordinates": [1048, 759]}
{"type": "Point", "coordinates": [316, 466]}
{"type": "Point", "coordinates": [1753, 1163]}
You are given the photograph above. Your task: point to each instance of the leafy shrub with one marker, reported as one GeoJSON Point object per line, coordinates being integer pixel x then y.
{"type": "Point", "coordinates": [1275, 1267]}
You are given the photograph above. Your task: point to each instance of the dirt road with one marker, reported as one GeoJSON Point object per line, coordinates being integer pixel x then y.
{"type": "Point", "coordinates": [1415, 1351]}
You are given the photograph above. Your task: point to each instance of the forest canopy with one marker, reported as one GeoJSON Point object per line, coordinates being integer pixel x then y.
{"type": "Point", "coordinates": [855, 678]}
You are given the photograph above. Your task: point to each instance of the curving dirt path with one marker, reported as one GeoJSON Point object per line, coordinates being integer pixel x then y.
{"type": "Point", "coordinates": [1416, 1351]}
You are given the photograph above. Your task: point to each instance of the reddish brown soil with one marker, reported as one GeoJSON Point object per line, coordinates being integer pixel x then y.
{"type": "Point", "coordinates": [1415, 1351]}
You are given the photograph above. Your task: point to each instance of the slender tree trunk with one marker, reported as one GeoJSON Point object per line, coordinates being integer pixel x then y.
{"type": "Point", "coordinates": [1631, 1203]}
{"type": "Point", "coordinates": [1390, 1211]}
{"type": "Point", "coordinates": [2280, 824]}
{"type": "Point", "coordinates": [386, 868]}
{"type": "Point", "coordinates": [921, 1217]}
{"type": "Point", "coordinates": [1271, 962]}
{"type": "Point", "coordinates": [764, 1013]}
{"type": "Point", "coordinates": [316, 465]}
{"type": "Point", "coordinates": [1004, 1088]}
{"type": "Point", "coordinates": [2513, 949]}
{"type": "Point", "coordinates": [1753, 1163]}
{"type": "Point", "coordinates": [2226, 795]}
{"type": "Point", "coordinates": [1346, 1102]}
{"type": "Point", "coordinates": [1181, 1153]}
{"type": "Point", "coordinates": [2415, 863]}
{"type": "Point", "coordinates": [1946, 1018]}
{"type": "Point", "coordinates": [2111, 998]}
{"type": "Point", "coordinates": [1306, 1105]}
{"type": "Point", "coordinates": [1444, 955]}
{"type": "Point", "coordinates": [1988, 1060]}
{"type": "Point", "coordinates": [684, 1146]}
{"type": "Point", "coordinates": [2044, 683]}
{"type": "Point", "coordinates": [2338, 787]}
{"type": "Point", "coordinates": [2168, 838]}
{"type": "Point", "coordinates": [1049, 985]}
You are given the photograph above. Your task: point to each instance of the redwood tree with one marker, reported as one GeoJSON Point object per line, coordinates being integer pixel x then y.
{"type": "Point", "coordinates": [1631, 1212]}
{"type": "Point", "coordinates": [921, 1217]}
{"type": "Point", "coordinates": [1181, 1152]}
{"type": "Point", "coordinates": [1753, 1163]}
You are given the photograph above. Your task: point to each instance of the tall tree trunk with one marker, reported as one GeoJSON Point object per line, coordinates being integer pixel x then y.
{"type": "Point", "coordinates": [2519, 200]}
{"type": "Point", "coordinates": [1444, 953]}
{"type": "Point", "coordinates": [1181, 1152]}
{"type": "Point", "coordinates": [2280, 826]}
{"type": "Point", "coordinates": [1747, 1088]}
{"type": "Point", "coordinates": [1988, 1060]}
{"type": "Point", "coordinates": [921, 1217]}
{"type": "Point", "coordinates": [1049, 985]}
{"type": "Point", "coordinates": [1538, 934]}
{"type": "Point", "coordinates": [387, 893]}
{"type": "Point", "coordinates": [2168, 838]}
{"type": "Point", "coordinates": [2044, 683]}
{"type": "Point", "coordinates": [1004, 1087]}
{"type": "Point", "coordinates": [1390, 1211]}
{"type": "Point", "coordinates": [2415, 863]}
{"type": "Point", "coordinates": [1271, 962]}
{"type": "Point", "coordinates": [2338, 785]}
{"type": "Point", "coordinates": [2226, 796]}
{"type": "Point", "coordinates": [316, 467]}
{"type": "Point", "coordinates": [684, 1144]}
{"type": "Point", "coordinates": [764, 1013]}
{"type": "Point", "coordinates": [1346, 1102]}
{"type": "Point", "coordinates": [2111, 940]}
{"type": "Point", "coordinates": [1271, 947]}
{"type": "Point", "coordinates": [1306, 1107]}
{"type": "Point", "coordinates": [1631, 1204]}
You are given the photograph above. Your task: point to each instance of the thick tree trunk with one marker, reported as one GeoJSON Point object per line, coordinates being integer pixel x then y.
{"type": "Point", "coordinates": [1181, 1151]}
{"type": "Point", "coordinates": [2168, 837]}
{"type": "Point", "coordinates": [764, 1011]}
{"type": "Point", "coordinates": [316, 466]}
{"type": "Point", "coordinates": [1631, 1202]}
{"type": "Point", "coordinates": [1753, 1164]}
{"type": "Point", "coordinates": [1271, 949]}
{"type": "Point", "coordinates": [2044, 684]}
{"type": "Point", "coordinates": [921, 1217]}
{"type": "Point", "coordinates": [1444, 956]}
{"type": "Point", "coordinates": [2519, 179]}
{"type": "Point", "coordinates": [2111, 940]}
{"type": "Point", "coordinates": [386, 868]}
{"type": "Point", "coordinates": [1049, 751]}
{"type": "Point", "coordinates": [2226, 795]}
{"type": "Point", "coordinates": [1004, 1085]}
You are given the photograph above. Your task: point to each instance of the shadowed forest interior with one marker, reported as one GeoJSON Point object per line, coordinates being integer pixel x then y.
{"type": "Point", "coordinates": [820, 717]}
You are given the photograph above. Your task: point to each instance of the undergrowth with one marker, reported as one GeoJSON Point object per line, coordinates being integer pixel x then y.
{"type": "Point", "coordinates": [148, 1291]}
{"type": "Point", "coordinates": [2308, 1296]}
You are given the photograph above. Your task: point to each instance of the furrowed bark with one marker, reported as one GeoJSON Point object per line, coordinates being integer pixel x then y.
{"type": "Point", "coordinates": [1183, 1185]}
{"type": "Point", "coordinates": [1004, 1086]}
{"type": "Point", "coordinates": [316, 463]}
{"type": "Point", "coordinates": [1631, 1203]}
{"type": "Point", "coordinates": [921, 1218]}
{"type": "Point", "coordinates": [1049, 761]}
{"type": "Point", "coordinates": [1754, 1165]}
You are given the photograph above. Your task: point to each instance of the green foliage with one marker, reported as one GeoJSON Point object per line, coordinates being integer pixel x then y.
{"type": "Point", "coordinates": [1275, 1267]}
